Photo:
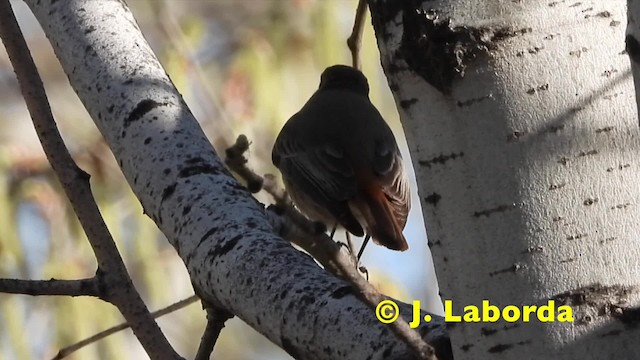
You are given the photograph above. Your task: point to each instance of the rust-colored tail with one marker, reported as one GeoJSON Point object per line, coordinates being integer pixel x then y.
{"type": "Point", "coordinates": [380, 220]}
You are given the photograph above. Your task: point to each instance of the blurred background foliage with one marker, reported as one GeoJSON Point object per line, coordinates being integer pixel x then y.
{"type": "Point", "coordinates": [243, 67]}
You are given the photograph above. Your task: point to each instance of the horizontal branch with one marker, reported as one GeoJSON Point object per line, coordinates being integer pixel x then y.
{"type": "Point", "coordinates": [81, 287]}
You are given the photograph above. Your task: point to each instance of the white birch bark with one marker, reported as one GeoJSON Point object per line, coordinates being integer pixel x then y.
{"type": "Point", "coordinates": [522, 128]}
{"type": "Point", "coordinates": [222, 234]}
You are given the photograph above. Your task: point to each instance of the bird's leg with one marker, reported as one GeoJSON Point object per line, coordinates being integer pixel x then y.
{"type": "Point", "coordinates": [333, 231]}
{"type": "Point", "coordinates": [364, 271]}
{"type": "Point", "coordinates": [362, 268]}
{"type": "Point", "coordinates": [349, 242]}
{"type": "Point", "coordinates": [351, 247]}
{"type": "Point", "coordinates": [364, 244]}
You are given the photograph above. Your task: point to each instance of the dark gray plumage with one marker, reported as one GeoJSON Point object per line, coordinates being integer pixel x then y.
{"type": "Point", "coordinates": [340, 161]}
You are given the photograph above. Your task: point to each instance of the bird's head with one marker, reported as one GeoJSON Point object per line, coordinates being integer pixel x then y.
{"type": "Point", "coordinates": [342, 77]}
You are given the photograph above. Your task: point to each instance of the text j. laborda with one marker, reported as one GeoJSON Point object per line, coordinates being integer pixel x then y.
{"type": "Point", "coordinates": [388, 311]}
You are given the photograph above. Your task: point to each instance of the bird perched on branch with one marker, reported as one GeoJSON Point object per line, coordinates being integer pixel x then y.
{"type": "Point", "coordinates": [341, 164]}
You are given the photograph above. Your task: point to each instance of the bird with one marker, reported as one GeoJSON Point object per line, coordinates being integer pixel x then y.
{"type": "Point", "coordinates": [340, 162]}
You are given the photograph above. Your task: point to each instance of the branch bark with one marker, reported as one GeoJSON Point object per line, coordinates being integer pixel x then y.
{"type": "Point", "coordinates": [83, 287]}
{"type": "Point", "coordinates": [221, 233]}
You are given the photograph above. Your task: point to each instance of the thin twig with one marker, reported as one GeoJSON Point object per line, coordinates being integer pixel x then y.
{"type": "Point", "coordinates": [82, 287]}
{"type": "Point", "coordinates": [113, 277]}
{"type": "Point", "coordinates": [297, 229]}
{"type": "Point", "coordinates": [114, 329]}
{"type": "Point", "coordinates": [355, 39]}
{"type": "Point", "coordinates": [216, 319]}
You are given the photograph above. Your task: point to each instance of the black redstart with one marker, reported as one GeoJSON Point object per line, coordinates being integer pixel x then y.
{"type": "Point", "coordinates": [341, 164]}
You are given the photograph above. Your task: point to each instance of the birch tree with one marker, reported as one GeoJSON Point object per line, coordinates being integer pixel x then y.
{"type": "Point", "coordinates": [523, 132]}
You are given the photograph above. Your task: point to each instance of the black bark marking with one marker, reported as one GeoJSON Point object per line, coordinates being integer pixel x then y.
{"type": "Point", "coordinates": [533, 249]}
{"type": "Point", "coordinates": [487, 332]}
{"type": "Point", "coordinates": [563, 160]}
{"type": "Point", "coordinates": [197, 169]}
{"type": "Point", "coordinates": [515, 135]}
{"type": "Point", "coordinates": [577, 236]}
{"type": "Point", "coordinates": [432, 47]}
{"type": "Point", "coordinates": [533, 90]}
{"type": "Point", "coordinates": [609, 239]}
{"type": "Point", "coordinates": [141, 109]}
{"type": "Point", "coordinates": [620, 167]}
{"type": "Point", "coordinates": [590, 201]}
{"type": "Point", "coordinates": [406, 104]}
{"type": "Point", "coordinates": [341, 292]}
{"type": "Point", "coordinates": [440, 159]}
{"type": "Point", "coordinates": [499, 209]}
{"type": "Point", "coordinates": [604, 129]}
{"type": "Point", "coordinates": [167, 192]}
{"type": "Point", "coordinates": [472, 101]}
{"type": "Point", "coordinates": [503, 347]}
{"type": "Point", "coordinates": [511, 269]}
{"type": "Point", "coordinates": [220, 250]}
{"type": "Point", "coordinates": [608, 301]}
{"type": "Point", "coordinates": [500, 348]}
{"type": "Point", "coordinates": [287, 346]}
{"type": "Point", "coordinates": [621, 206]}
{"type": "Point", "coordinates": [206, 235]}
{"type": "Point", "coordinates": [433, 199]}
{"type": "Point", "coordinates": [587, 153]}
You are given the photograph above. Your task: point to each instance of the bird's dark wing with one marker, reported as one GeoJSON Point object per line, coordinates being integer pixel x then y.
{"type": "Point", "coordinates": [322, 173]}
{"type": "Point", "coordinates": [387, 165]}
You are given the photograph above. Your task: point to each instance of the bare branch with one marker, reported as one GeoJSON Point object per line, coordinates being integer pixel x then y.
{"type": "Point", "coordinates": [82, 287]}
{"type": "Point", "coordinates": [237, 162]}
{"type": "Point", "coordinates": [112, 274]}
{"type": "Point", "coordinates": [216, 319]}
{"type": "Point", "coordinates": [112, 330]}
{"type": "Point", "coordinates": [355, 39]}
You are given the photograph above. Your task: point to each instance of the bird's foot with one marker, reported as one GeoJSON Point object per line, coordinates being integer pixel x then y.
{"type": "Point", "coordinates": [364, 271]}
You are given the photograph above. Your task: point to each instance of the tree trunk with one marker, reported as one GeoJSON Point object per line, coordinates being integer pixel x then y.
{"type": "Point", "coordinates": [219, 230]}
{"type": "Point", "coordinates": [520, 123]}
{"type": "Point", "coordinates": [633, 43]}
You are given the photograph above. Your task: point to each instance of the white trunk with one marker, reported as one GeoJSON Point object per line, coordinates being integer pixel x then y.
{"type": "Point", "coordinates": [221, 233]}
{"type": "Point", "coordinates": [526, 163]}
